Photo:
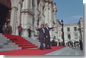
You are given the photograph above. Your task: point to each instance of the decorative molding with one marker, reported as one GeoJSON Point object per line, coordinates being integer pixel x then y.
{"type": "Point", "coordinates": [43, 15]}
{"type": "Point", "coordinates": [49, 1]}
{"type": "Point", "coordinates": [38, 11]}
{"type": "Point", "coordinates": [14, 7]}
{"type": "Point", "coordinates": [20, 2]}
{"type": "Point", "coordinates": [27, 11]}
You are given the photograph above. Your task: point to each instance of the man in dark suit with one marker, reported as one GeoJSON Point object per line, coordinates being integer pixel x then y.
{"type": "Point", "coordinates": [47, 35]}
{"type": "Point", "coordinates": [41, 35]}
{"type": "Point", "coordinates": [81, 44]}
{"type": "Point", "coordinates": [29, 30]}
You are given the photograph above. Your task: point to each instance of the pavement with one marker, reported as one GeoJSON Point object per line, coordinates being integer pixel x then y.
{"type": "Point", "coordinates": [68, 51]}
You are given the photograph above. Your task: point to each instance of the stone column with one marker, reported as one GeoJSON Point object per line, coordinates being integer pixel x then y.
{"type": "Point", "coordinates": [18, 16]}
{"type": "Point", "coordinates": [46, 12]}
{"type": "Point", "coordinates": [13, 19]}
{"type": "Point", "coordinates": [54, 15]}
{"type": "Point", "coordinates": [35, 17]}
{"type": "Point", "coordinates": [24, 18]}
{"type": "Point", "coordinates": [55, 23]}
{"type": "Point", "coordinates": [40, 16]}
{"type": "Point", "coordinates": [50, 19]}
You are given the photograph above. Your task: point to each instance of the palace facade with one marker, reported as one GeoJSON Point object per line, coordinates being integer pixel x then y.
{"type": "Point", "coordinates": [31, 13]}
{"type": "Point", "coordinates": [34, 13]}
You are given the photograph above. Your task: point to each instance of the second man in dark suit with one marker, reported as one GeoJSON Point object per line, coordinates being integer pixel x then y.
{"type": "Point", "coordinates": [47, 35]}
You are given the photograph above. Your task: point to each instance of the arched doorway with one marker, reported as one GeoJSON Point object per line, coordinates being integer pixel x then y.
{"type": "Point", "coordinates": [5, 7]}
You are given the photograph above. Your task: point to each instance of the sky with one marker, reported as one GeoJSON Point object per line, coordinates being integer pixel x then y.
{"type": "Point", "coordinates": [69, 10]}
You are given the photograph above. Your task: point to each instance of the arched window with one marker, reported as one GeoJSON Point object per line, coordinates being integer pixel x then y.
{"type": "Point", "coordinates": [38, 1]}
{"type": "Point", "coordinates": [33, 2]}
{"type": "Point", "coordinates": [29, 3]}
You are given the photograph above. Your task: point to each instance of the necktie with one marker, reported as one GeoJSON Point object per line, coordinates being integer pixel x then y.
{"type": "Point", "coordinates": [43, 30]}
{"type": "Point", "coordinates": [47, 28]}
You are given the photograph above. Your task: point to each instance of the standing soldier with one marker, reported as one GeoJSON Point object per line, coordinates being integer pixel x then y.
{"type": "Point", "coordinates": [4, 28]}
{"type": "Point", "coordinates": [9, 29]}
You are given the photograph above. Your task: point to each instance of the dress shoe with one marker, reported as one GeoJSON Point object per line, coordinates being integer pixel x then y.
{"type": "Point", "coordinates": [42, 49]}
{"type": "Point", "coordinates": [49, 48]}
{"type": "Point", "coordinates": [46, 48]}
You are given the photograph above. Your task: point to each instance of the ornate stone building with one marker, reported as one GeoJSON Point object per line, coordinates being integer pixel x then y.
{"type": "Point", "coordinates": [72, 32]}
{"type": "Point", "coordinates": [31, 13]}
{"type": "Point", "coordinates": [34, 13]}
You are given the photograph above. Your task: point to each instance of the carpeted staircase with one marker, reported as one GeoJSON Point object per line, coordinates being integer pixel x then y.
{"type": "Point", "coordinates": [7, 44]}
{"type": "Point", "coordinates": [20, 41]}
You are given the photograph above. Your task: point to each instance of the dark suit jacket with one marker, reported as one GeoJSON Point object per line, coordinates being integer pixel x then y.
{"type": "Point", "coordinates": [41, 34]}
{"type": "Point", "coordinates": [80, 41]}
{"type": "Point", "coordinates": [47, 31]}
{"type": "Point", "coordinates": [29, 30]}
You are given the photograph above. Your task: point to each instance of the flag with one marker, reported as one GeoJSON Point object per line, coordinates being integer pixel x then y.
{"type": "Point", "coordinates": [16, 21]}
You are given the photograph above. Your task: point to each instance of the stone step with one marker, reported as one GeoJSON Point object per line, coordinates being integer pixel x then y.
{"type": "Point", "coordinates": [5, 42]}
{"type": "Point", "coordinates": [2, 41]}
{"type": "Point", "coordinates": [37, 43]}
{"type": "Point", "coordinates": [7, 45]}
{"type": "Point", "coordinates": [4, 38]}
{"type": "Point", "coordinates": [10, 46]}
{"type": "Point", "coordinates": [9, 49]}
{"type": "Point", "coordinates": [11, 43]}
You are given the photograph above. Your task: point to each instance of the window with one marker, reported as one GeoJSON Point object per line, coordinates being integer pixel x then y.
{"type": "Point", "coordinates": [29, 3]}
{"type": "Point", "coordinates": [62, 36]}
{"type": "Point", "coordinates": [43, 9]}
{"type": "Point", "coordinates": [33, 6]}
{"type": "Point", "coordinates": [75, 29]}
{"type": "Point", "coordinates": [68, 29]}
{"type": "Point", "coordinates": [61, 29]}
{"type": "Point", "coordinates": [33, 23]}
{"type": "Point", "coordinates": [76, 36]}
{"type": "Point", "coordinates": [38, 1]}
{"type": "Point", "coordinates": [69, 36]}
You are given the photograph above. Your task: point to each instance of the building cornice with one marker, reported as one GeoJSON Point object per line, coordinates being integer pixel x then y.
{"type": "Point", "coordinates": [70, 24]}
{"type": "Point", "coordinates": [27, 11]}
{"type": "Point", "coordinates": [49, 1]}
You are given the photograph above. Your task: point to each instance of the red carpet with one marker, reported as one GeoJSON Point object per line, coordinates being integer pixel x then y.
{"type": "Point", "coordinates": [30, 52]}
{"type": "Point", "coordinates": [20, 41]}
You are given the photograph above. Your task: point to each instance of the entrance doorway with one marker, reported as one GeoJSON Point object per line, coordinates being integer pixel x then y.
{"type": "Point", "coordinates": [3, 15]}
